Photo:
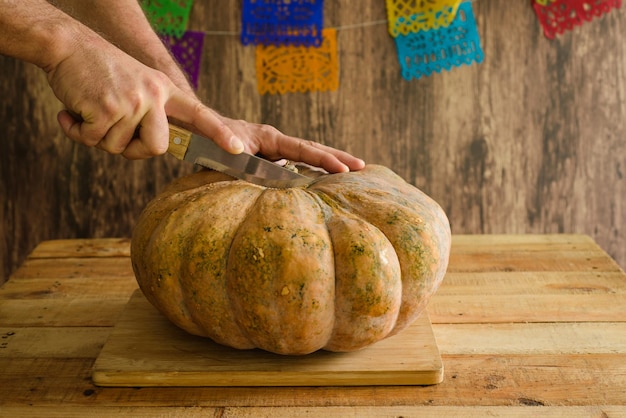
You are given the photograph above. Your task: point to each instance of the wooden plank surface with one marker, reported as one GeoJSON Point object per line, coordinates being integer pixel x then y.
{"type": "Point", "coordinates": [534, 283]}
{"type": "Point", "coordinates": [470, 380]}
{"type": "Point", "coordinates": [316, 412]}
{"type": "Point", "coordinates": [541, 341]}
{"type": "Point", "coordinates": [145, 349]}
{"type": "Point", "coordinates": [533, 338]}
{"type": "Point", "coordinates": [70, 312]}
{"type": "Point", "coordinates": [527, 308]}
{"type": "Point", "coordinates": [60, 248]}
{"type": "Point", "coordinates": [49, 342]}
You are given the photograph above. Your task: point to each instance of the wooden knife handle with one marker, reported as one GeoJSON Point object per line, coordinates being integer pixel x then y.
{"type": "Point", "coordinates": [179, 141]}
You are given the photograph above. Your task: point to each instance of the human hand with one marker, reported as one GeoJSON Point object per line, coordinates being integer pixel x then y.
{"type": "Point", "coordinates": [274, 145]}
{"type": "Point", "coordinates": [239, 135]}
{"type": "Point", "coordinates": [109, 94]}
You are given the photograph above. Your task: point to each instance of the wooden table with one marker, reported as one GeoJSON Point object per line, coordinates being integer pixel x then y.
{"type": "Point", "coordinates": [526, 324]}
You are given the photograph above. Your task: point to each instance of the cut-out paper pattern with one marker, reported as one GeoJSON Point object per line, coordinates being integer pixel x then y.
{"type": "Point", "coordinates": [558, 16]}
{"type": "Point", "coordinates": [168, 17]}
{"type": "Point", "coordinates": [412, 16]}
{"type": "Point", "coordinates": [283, 69]}
{"type": "Point", "coordinates": [440, 49]}
{"type": "Point", "coordinates": [188, 52]}
{"type": "Point", "coordinates": [282, 22]}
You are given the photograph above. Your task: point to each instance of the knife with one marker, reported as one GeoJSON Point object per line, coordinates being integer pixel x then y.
{"type": "Point", "coordinates": [196, 149]}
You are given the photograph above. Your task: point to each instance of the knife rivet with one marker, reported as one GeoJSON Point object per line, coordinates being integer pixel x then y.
{"type": "Point", "coordinates": [177, 140]}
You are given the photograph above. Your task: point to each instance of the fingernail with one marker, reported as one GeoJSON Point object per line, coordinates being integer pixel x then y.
{"type": "Point", "coordinates": [236, 146]}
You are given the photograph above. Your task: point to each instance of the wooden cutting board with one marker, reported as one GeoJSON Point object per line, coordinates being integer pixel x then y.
{"type": "Point", "coordinates": [145, 349]}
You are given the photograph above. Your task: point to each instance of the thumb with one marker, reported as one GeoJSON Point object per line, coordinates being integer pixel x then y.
{"type": "Point", "coordinates": [205, 121]}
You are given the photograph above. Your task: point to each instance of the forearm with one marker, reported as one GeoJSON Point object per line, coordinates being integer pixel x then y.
{"type": "Point", "coordinates": [114, 74]}
{"type": "Point", "coordinates": [36, 32]}
{"type": "Point", "coordinates": [123, 23]}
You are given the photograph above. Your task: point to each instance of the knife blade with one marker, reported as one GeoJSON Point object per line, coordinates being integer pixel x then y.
{"type": "Point", "coordinates": [196, 149]}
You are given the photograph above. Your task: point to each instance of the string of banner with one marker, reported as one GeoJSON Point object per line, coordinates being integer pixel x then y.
{"type": "Point", "coordinates": [296, 53]}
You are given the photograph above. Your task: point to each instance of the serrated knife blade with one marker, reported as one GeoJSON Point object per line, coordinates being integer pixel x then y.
{"type": "Point", "coordinates": [196, 149]}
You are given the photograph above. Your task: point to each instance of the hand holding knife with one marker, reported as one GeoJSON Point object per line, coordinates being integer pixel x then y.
{"type": "Point", "coordinates": [197, 149]}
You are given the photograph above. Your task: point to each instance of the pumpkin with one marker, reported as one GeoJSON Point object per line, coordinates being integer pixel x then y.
{"type": "Point", "coordinates": [337, 265]}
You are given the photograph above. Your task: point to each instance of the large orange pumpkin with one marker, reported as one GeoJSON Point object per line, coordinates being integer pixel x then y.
{"type": "Point", "coordinates": [337, 265]}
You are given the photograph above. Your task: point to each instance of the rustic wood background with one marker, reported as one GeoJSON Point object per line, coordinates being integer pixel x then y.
{"type": "Point", "coordinates": [531, 140]}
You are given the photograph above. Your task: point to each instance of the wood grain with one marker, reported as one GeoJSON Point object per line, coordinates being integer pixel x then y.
{"type": "Point", "coordinates": [145, 349]}
{"type": "Point", "coordinates": [500, 380]}
{"type": "Point", "coordinates": [315, 412]}
{"type": "Point", "coordinates": [562, 355]}
{"type": "Point", "coordinates": [531, 140]}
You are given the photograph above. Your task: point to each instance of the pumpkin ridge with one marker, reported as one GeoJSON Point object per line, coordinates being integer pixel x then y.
{"type": "Point", "coordinates": [248, 207]}
{"type": "Point", "coordinates": [174, 201]}
{"type": "Point", "coordinates": [281, 279]}
{"type": "Point", "coordinates": [253, 206]}
{"type": "Point", "coordinates": [367, 303]}
{"type": "Point", "coordinates": [371, 198]}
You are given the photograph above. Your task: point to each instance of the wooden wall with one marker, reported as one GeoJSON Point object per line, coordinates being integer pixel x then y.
{"type": "Point", "coordinates": [530, 141]}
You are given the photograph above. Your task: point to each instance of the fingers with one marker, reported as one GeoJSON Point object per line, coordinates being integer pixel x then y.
{"type": "Point", "coordinates": [345, 159]}
{"type": "Point", "coordinates": [309, 152]}
{"type": "Point", "coordinates": [134, 138]}
{"type": "Point", "coordinates": [119, 136]}
{"type": "Point", "coordinates": [207, 122]}
{"type": "Point", "coordinates": [75, 128]}
{"type": "Point", "coordinates": [153, 137]}
{"type": "Point", "coordinates": [67, 122]}
{"type": "Point", "coordinates": [330, 159]}
{"type": "Point", "coordinates": [273, 144]}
